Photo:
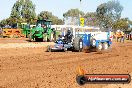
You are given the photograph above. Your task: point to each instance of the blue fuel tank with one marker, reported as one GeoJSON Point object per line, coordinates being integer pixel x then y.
{"type": "Point", "coordinates": [86, 40]}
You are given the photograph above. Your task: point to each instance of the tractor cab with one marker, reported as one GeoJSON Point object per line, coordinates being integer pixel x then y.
{"type": "Point", "coordinates": [42, 31]}
{"type": "Point", "coordinates": [45, 24]}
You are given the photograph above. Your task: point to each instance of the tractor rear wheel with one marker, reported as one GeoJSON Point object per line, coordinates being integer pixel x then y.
{"type": "Point", "coordinates": [39, 39]}
{"type": "Point", "coordinates": [78, 44]}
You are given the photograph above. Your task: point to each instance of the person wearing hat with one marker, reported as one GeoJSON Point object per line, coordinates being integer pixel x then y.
{"type": "Point", "coordinates": [118, 35]}
{"type": "Point", "coordinates": [122, 37]}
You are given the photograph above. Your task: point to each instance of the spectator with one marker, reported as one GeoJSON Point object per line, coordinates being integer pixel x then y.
{"type": "Point", "coordinates": [118, 35]}
{"type": "Point", "coordinates": [1, 31]}
{"type": "Point", "coordinates": [122, 37]}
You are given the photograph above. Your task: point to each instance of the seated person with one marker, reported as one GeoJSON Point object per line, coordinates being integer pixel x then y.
{"type": "Point", "coordinates": [59, 40]}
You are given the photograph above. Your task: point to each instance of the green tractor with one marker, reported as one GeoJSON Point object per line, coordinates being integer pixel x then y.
{"type": "Point", "coordinates": [42, 31]}
{"type": "Point", "coordinates": [26, 29]}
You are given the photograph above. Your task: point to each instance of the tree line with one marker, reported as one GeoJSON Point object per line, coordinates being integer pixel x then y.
{"type": "Point", "coordinates": [107, 15]}
{"type": "Point", "coordinates": [23, 11]}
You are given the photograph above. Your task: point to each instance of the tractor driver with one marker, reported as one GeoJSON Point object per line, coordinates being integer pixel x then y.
{"type": "Point", "coordinates": [60, 39]}
{"type": "Point", "coordinates": [68, 36]}
{"type": "Point", "coordinates": [43, 26]}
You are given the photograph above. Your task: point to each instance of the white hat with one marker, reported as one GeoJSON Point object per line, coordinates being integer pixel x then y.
{"type": "Point", "coordinates": [118, 30]}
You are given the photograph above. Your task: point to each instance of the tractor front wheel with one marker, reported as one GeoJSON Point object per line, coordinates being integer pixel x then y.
{"type": "Point", "coordinates": [105, 46]}
{"type": "Point", "coordinates": [49, 49]}
{"type": "Point", "coordinates": [30, 38]}
{"type": "Point", "coordinates": [99, 47]}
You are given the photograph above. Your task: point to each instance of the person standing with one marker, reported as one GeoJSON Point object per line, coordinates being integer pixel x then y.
{"type": "Point", "coordinates": [122, 37]}
{"type": "Point", "coordinates": [118, 35]}
{"type": "Point", "coordinates": [1, 32]}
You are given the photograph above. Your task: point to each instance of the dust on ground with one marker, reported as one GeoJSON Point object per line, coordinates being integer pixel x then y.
{"type": "Point", "coordinates": [31, 67]}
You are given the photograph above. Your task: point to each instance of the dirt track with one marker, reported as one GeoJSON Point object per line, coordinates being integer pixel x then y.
{"type": "Point", "coordinates": [34, 68]}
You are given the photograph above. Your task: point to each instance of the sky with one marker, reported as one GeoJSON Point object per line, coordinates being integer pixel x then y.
{"type": "Point", "coordinates": [58, 7]}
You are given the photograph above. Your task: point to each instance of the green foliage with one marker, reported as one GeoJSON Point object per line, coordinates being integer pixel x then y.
{"type": "Point", "coordinates": [91, 19]}
{"type": "Point", "coordinates": [23, 11]}
{"type": "Point", "coordinates": [72, 16]}
{"type": "Point", "coordinates": [73, 13]}
{"type": "Point", "coordinates": [50, 16]}
{"type": "Point", "coordinates": [44, 15]}
{"type": "Point", "coordinates": [3, 21]}
{"type": "Point", "coordinates": [9, 21]}
{"type": "Point", "coordinates": [122, 24]}
{"type": "Point", "coordinates": [130, 22]}
{"type": "Point", "coordinates": [108, 13]}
